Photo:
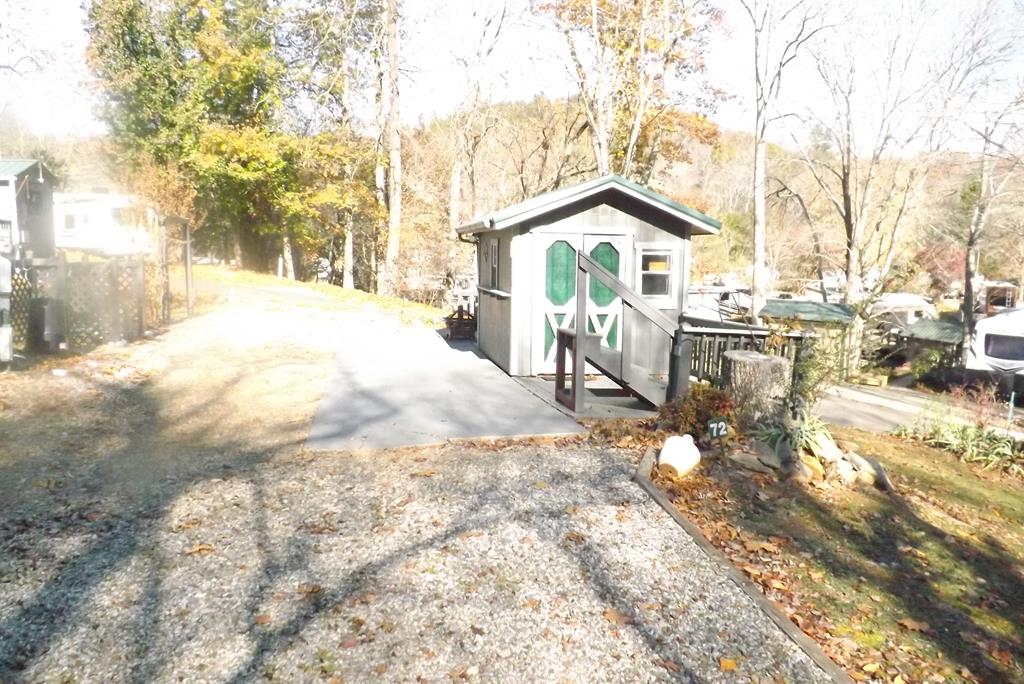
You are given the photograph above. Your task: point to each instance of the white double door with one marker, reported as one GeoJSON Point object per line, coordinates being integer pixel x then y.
{"type": "Point", "coordinates": [554, 304]}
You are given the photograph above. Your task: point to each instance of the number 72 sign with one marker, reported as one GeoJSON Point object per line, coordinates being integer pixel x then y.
{"type": "Point", "coordinates": [718, 430]}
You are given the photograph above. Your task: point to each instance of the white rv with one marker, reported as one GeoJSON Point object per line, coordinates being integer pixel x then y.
{"type": "Point", "coordinates": [998, 343]}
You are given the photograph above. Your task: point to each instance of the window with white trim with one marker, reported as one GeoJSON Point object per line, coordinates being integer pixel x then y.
{"type": "Point", "coordinates": [657, 273]}
{"type": "Point", "coordinates": [493, 254]}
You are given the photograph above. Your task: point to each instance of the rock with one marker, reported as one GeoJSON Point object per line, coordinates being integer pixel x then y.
{"type": "Point", "coordinates": [678, 456]}
{"type": "Point", "coordinates": [824, 448]}
{"type": "Point", "coordinates": [882, 480]}
{"type": "Point", "coordinates": [870, 471]}
{"type": "Point", "coordinates": [747, 460]}
{"type": "Point", "coordinates": [801, 473]}
{"type": "Point", "coordinates": [785, 452]}
{"type": "Point", "coordinates": [858, 462]}
{"type": "Point", "coordinates": [847, 446]}
{"type": "Point", "coordinates": [767, 455]}
{"type": "Point", "coordinates": [845, 472]}
{"type": "Point", "coordinates": [814, 465]}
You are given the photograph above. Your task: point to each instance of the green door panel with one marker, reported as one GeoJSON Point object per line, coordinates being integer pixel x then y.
{"type": "Point", "coordinates": [605, 254]}
{"type": "Point", "coordinates": [560, 285]}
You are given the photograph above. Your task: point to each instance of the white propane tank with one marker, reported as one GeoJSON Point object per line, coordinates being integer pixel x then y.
{"type": "Point", "coordinates": [678, 456]}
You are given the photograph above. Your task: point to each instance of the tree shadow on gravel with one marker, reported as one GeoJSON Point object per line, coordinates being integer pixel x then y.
{"type": "Point", "coordinates": [118, 500]}
{"type": "Point", "coordinates": [121, 501]}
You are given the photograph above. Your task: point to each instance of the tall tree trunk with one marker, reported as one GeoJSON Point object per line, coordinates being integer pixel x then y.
{"type": "Point", "coordinates": [348, 260]}
{"type": "Point", "coordinates": [759, 285]}
{"type": "Point", "coordinates": [455, 197]}
{"type": "Point", "coordinates": [286, 255]}
{"type": "Point", "coordinates": [388, 277]}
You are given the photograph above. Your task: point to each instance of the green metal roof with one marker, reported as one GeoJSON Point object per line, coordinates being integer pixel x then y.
{"type": "Point", "coordinates": [944, 330]}
{"type": "Point", "coordinates": [556, 199]}
{"type": "Point", "coordinates": [812, 312]}
{"type": "Point", "coordinates": [16, 167]}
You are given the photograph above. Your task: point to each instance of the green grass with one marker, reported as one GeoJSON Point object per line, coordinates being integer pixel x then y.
{"type": "Point", "coordinates": [407, 311]}
{"type": "Point", "coordinates": [929, 582]}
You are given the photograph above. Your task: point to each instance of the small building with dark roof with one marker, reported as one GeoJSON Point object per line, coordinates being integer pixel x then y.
{"type": "Point", "coordinates": [831, 323]}
{"type": "Point", "coordinates": [26, 209]}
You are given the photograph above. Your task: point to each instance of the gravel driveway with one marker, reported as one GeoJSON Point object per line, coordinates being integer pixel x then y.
{"type": "Point", "coordinates": [530, 563]}
{"type": "Point", "coordinates": [161, 521]}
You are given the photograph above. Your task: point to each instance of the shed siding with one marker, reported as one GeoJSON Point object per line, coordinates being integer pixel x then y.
{"type": "Point", "coordinates": [494, 315]}
{"type": "Point", "coordinates": [494, 319]}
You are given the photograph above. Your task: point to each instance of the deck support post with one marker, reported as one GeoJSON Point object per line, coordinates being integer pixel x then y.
{"type": "Point", "coordinates": [579, 341]}
{"type": "Point", "coordinates": [679, 362]}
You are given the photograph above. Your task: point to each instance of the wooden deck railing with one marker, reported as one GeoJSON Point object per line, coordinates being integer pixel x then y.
{"type": "Point", "coordinates": [711, 339]}
{"type": "Point", "coordinates": [710, 345]}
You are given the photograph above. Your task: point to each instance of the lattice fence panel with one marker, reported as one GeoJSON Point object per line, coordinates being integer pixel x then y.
{"type": "Point", "coordinates": [153, 282]}
{"type": "Point", "coordinates": [21, 296]}
{"type": "Point", "coordinates": [92, 313]}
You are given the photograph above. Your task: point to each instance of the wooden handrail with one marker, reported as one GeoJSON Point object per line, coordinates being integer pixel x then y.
{"type": "Point", "coordinates": [629, 296]}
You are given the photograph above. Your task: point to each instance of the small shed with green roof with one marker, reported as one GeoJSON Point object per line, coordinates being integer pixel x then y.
{"type": "Point", "coordinates": [527, 263]}
{"type": "Point", "coordinates": [831, 323]}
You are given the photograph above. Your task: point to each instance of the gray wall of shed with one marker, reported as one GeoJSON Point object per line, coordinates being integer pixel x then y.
{"type": "Point", "coordinates": [494, 311]}
{"type": "Point", "coordinates": [649, 343]}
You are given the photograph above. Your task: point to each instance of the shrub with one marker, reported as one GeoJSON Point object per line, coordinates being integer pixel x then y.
{"type": "Point", "coordinates": [977, 443]}
{"type": "Point", "coordinates": [814, 371]}
{"type": "Point", "coordinates": [806, 432]}
{"type": "Point", "coordinates": [927, 363]}
{"type": "Point", "coordinates": [690, 414]}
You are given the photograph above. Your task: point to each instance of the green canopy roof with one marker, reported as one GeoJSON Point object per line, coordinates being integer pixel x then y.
{"type": "Point", "coordinates": [812, 312]}
{"type": "Point", "coordinates": [16, 167]}
{"type": "Point", "coordinates": [944, 330]}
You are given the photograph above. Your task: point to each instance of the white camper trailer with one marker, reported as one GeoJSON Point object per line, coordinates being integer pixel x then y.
{"type": "Point", "coordinates": [998, 343]}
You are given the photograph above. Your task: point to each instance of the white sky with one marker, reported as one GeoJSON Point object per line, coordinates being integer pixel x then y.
{"type": "Point", "coordinates": [527, 60]}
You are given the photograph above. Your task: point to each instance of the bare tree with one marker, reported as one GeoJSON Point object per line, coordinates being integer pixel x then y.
{"type": "Point", "coordinates": [889, 114]}
{"type": "Point", "coordinates": [391, 143]}
{"type": "Point", "coordinates": [781, 30]}
{"type": "Point", "coordinates": [999, 163]}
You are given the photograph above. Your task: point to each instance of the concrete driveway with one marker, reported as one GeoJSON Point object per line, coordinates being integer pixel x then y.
{"type": "Point", "coordinates": [403, 386]}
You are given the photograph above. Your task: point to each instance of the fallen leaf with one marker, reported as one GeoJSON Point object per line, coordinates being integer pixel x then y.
{"type": "Point", "coordinates": [751, 570]}
{"type": "Point", "coordinates": [575, 537]}
{"type": "Point", "coordinates": [425, 473]}
{"type": "Point", "coordinates": [670, 665]}
{"type": "Point", "coordinates": [381, 669]}
{"type": "Point", "coordinates": [726, 664]}
{"type": "Point", "coordinates": [776, 584]}
{"type": "Point", "coordinates": [617, 618]}
{"type": "Point", "coordinates": [308, 589]}
{"type": "Point", "coordinates": [914, 625]}
{"type": "Point", "coordinates": [199, 550]}
{"type": "Point", "coordinates": [469, 534]}
{"type": "Point", "coordinates": [188, 524]}
{"type": "Point", "coordinates": [541, 485]}
{"type": "Point", "coordinates": [871, 668]}
{"type": "Point", "coordinates": [350, 642]}
{"type": "Point", "coordinates": [651, 606]}
{"type": "Point", "coordinates": [262, 619]}
{"type": "Point", "coordinates": [532, 604]}
{"type": "Point", "coordinates": [479, 631]}
{"type": "Point", "coordinates": [758, 546]}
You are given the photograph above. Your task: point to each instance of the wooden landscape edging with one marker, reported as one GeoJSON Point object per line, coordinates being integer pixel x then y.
{"type": "Point", "coordinates": [803, 642]}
